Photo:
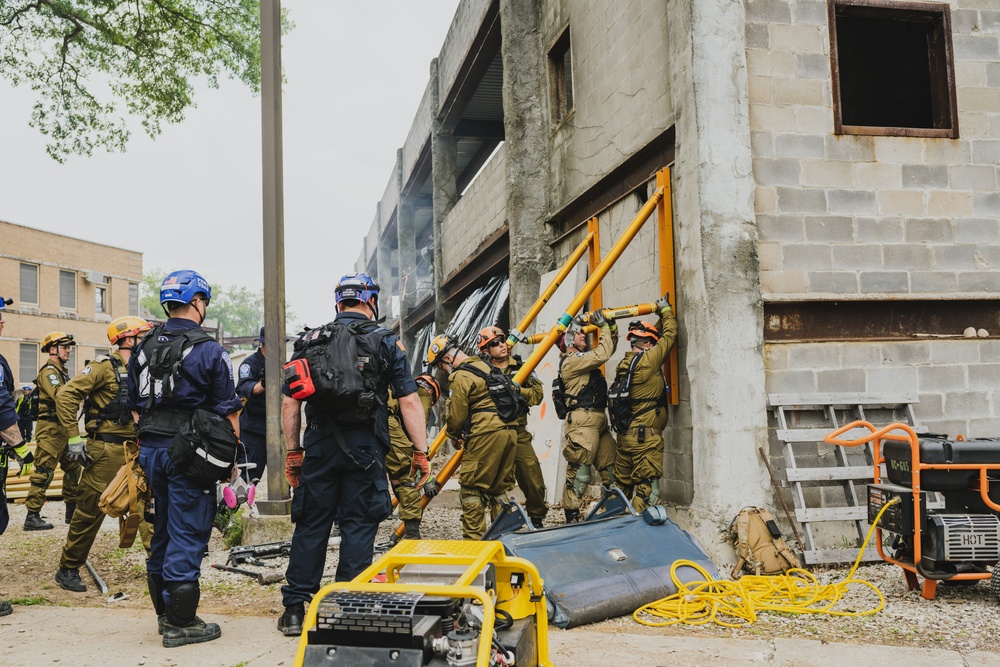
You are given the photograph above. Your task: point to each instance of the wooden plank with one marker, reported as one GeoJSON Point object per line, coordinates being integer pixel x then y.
{"type": "Point", "coordinates": [832, 473]}
{"type": "Point", "coordinates": [831, 514]}
{"type": "Point", "coordinates": [838, 400]}
{"type": "Point", "coordinates": [819, 556]}
{"type": "Point", "coordinates": [795, 435]}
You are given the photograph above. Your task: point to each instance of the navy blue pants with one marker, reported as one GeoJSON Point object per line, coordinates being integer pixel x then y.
{"type": "Point", "coordinates": [182, 519]}
{"type": "Point", "coordinates": [254, 450]}
{"type": "Point", "coordinates": [333, 485]}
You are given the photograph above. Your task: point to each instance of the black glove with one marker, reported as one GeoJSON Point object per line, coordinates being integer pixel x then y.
{"type": "Point", "coordinates": [597, 318]}
{"type": "Point", "coordinates": [663, 303]}
{"type": "Point", "coordinates": [430, 488]}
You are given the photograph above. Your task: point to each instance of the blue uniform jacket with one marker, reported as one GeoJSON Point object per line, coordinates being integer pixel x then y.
{"type": "Point", "coordinates": [253, 417]}
{"type": "Point", "coordinates": [205, 379]}
{"type": "Point", "coordinates": [8, 410]}
{"type": "Point", "coordinates": [359, 436]}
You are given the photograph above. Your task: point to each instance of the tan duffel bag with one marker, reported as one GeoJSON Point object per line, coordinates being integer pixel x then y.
{"type": "Point", "coordinates": [121, 499]}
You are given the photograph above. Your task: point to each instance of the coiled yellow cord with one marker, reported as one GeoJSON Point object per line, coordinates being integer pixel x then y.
{"type": "Point", "coordinates": [732, 604]}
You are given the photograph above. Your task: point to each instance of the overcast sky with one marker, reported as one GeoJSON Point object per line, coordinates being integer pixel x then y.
{"type": "Point", "coordinates": [192, 198]}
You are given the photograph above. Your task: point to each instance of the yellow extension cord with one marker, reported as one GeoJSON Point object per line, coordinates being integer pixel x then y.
{"type": "Point", "coordinates": [715, 600]}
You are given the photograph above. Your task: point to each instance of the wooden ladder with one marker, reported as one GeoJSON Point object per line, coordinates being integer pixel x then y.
{"type": "Point", "coordinates": [803, 420]}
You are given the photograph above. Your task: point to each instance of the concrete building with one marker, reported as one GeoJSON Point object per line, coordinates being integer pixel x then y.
{"type": "Point", "coordinates": [834, 168]}
{"type": "Point", "coordinates": [59, 283]}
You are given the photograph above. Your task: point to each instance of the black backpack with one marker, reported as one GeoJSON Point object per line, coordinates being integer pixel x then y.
{"type": "Point", "coordinates": [33, 404]}
{"type": "Point", "coordinates": [339, 367]}
{"type": "Point", "coordinates": [164, 358]}
{"type": "Point", "coordinates": [620, 401]}
{"type": "Point", "coordinates": [505, 394]}
{"type": "Point", "coordinates": [205, 447]}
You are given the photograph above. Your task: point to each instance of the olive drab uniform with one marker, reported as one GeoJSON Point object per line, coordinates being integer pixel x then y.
{"type": "Point", "coordinates": [490, 444]}
{"type": "Point", "coordinates": [639, 461]}
{"type": "Point", "coordinates": [527, 471]}
{"type": "Point", "coordinates": [586, 438]}
{"type": "Point", "coordinates": [400, 457]}
{"type": "Point", "coordinates": [96, 386]}
{"type": "Point", "coordinates": [50, 441]}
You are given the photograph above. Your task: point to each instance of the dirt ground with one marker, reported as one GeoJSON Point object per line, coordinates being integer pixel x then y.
{"type": "Point", "coordinates": [960, 618]}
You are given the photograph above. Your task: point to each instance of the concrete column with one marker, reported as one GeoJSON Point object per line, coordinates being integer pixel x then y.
{"type": "Point", "coordinates": [444, 180]}
{"type": "Point", "coordinates": [718, 274]}
{"type": "Point", "coordinates": [383, 260]}
{"type": "Point", "coordinates": [527, 150]}
{"type": "Point", "coordinates": [407, 237]}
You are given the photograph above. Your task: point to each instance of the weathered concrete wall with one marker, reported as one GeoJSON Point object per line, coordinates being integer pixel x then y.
{"type": "Point", "coordinates": [420, 130]}
{"type": "Point", "coordinates": [478, 214]}
{"type": "Point", "coordinates": [622, 90]}
{"type": "Point", "coordinates": [464, 26]}
{"type": "Point", "coordinates": [864, 216]}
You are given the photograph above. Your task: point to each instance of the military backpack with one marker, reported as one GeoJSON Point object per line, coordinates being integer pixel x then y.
{"type": "Point", "coordinates": [758, 544]}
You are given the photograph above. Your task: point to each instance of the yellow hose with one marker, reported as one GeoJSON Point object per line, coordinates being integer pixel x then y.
{"type": "Point", "coordinates": [732, 604]}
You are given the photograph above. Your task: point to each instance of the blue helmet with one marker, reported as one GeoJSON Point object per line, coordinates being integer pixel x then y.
{"type": "Point", "coordinates": [357, 287]}
{"type": "Point", "coordinates": [182, 286]}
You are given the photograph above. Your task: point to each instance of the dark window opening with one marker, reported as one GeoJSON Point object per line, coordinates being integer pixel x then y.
{"type": "Point", "coordinates": [879, 320]}
{"type": "Point", "coordinates": [561, 77]}
{"type": "Point", "coordinates": [893, 68]}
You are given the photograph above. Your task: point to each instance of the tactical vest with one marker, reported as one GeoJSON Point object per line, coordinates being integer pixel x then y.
{"type": "Point", "coordinates": [116, 411]}
{"type": "Point", "coordinates": [622, 408]}
{"type": "Point", "coordinates": [340, 367]}
{"type": "Point", "coordinates": [42, 407]}
{"type": "Point", "coordinates": [507, 400]}
{"type": "Point", "coordinates": [594, 394]}
{"type": "Point", "coordinates": [163, 361]}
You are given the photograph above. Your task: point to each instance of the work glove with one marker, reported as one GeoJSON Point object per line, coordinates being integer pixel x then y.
{"type": "Point", "coordinates": [76, 451]}
{"type": "Point", "coordinates": [431, 488]}
{"type": "Point", "coordinates": [420, 467]}
{"type": "Point", "coordinates": [663, 303]}
{"type": "Point", "coordinates": [597, 318]}
{"type": "Point", "coordinates": [293, 467]}
{"type": "Point", "coordinates": [25, 458]}
{"type": "Point", "coordinates": [458, 443]}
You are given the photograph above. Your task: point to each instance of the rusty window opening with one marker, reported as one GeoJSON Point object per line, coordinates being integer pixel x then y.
{"type": "Point", "coordinates": [878, 320]}
{"type": "Point", "coordinates": [561, 77]}
{"type": "Point", "coordinates": [893, 68]}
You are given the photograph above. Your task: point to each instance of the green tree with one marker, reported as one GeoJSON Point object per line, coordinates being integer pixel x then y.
{"type": "Point", "coordinates": [91, 62]}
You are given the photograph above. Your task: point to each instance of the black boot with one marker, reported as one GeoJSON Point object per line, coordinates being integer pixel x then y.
{"type": "Point", "coordinates": [154, 582]}
{"type": "Point", "coordinates": [35, 522]}
{"type": "Point", "coordinates": [411, 529]}
{"type": "Point", "coordinates": [70, 508]}
{"type": "Point", "coordinates": [69, 578]}
{"type": "Point", "coordinates": [572, 516]}
{"type": "Point", "coordinates": [183, 626]}
{"type": "Point", "coordinates": [290, 622]}
{"type": "Point", "coordinates": [5, 608]}
{"type": "Point", "coordinates": [536, 523]}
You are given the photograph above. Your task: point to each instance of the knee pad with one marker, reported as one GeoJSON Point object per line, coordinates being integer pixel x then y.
{"type": "Point", "coordinates": [154, 582]}
{"type": "Point", "coordinates": [183, 603]}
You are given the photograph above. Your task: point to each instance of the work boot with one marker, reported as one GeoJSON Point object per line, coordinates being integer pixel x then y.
{"type": "Point", "coordinates": [572, 516]}
{"type": "Point", "coordinates": [536, 523]}
{"type": "Point", "coordinates": [69, 578]}
{"type": "Point", "coordinates": [290, 622]}
{"type": "Point", "coordinates": [70, 508]}
{"type": "Point", "coordinates": [35, 522]}
{"type": "Point", "coordinates": [196, 632]}
{"type": "Point", "coordinates": [5, 608]}
{"type": "Point", "coordinates": [411, 529]}
{"type": "Point", "coordinates": [161, 622]}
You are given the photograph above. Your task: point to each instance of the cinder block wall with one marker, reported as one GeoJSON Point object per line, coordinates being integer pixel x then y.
{"type": "Point", "coordinates": [477, 214]}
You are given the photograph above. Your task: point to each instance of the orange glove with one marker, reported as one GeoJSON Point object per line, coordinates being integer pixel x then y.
{"type": "Point", "coordinates": [293, 467]}
{"type": "Point", "coordinates": [420, 465]}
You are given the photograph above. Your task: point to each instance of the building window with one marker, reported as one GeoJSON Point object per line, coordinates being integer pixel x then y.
{"type": "Point", "coordinates": [893, 68]}
{"type": "Point", "coordinates": [133, 299]}
{"type": "Point", "coordinates": [67, 290]}
{"type": "Point", "coordinates": [101, 304]}
{"type": "Point", "coordinates": [29, 283]}
{"type": "Point", "coordinates": [101, 352]}
{"type": "Point", "coordinates": [71, 364]}
{"type": "Point", "coordinates": [27, 362]}
{"type": "Point", "coordinates": [561, 77]}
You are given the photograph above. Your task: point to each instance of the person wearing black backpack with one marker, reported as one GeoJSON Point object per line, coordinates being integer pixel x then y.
{"type": "Point", "coordinates": [180, 378]}
{"type": "Point", "coordinates": [640, 418]}
{"type": "Point", "coordinates": [343, 372]}
{"type": "Point", "coordinates": [483, 408]}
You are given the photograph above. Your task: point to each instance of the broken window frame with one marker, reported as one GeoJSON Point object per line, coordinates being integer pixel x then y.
{"type": "Point", "coordinates": [560, 61]}
{"type": "Point", "coordinates": [944, 98]}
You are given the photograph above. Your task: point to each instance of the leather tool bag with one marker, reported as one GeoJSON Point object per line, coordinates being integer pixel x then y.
{"type": "Point", "coordinates": [121, 499]}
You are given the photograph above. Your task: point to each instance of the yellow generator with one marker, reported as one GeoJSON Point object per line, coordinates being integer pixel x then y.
{"type": "Point", "coordinates": [431, 602]}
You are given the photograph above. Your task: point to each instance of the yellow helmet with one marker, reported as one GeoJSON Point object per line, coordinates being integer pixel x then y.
{"type": "Point", "coordinates": [124, 327]}
{"type": "Point", "coordinates": [56, 338]}
{"type": "Point", "coordinates": [439, 347]}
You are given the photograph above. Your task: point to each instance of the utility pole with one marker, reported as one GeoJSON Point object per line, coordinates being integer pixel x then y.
{"type": "Point", "coordinates": [274, 253]}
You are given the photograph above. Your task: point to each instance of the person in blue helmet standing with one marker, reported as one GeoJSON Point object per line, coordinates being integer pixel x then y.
{"type": "Point", "coordinates": [177, 371]}
{"type": "Point", "coordinates": [340, 465]}
{"type": "Point", "coordinates": [253, 424]}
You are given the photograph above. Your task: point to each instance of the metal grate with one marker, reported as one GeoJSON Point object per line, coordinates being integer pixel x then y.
{"type": "Point", "coordinates": [383, 613]}
{"type": "Point", "coordinates": [971, 537]}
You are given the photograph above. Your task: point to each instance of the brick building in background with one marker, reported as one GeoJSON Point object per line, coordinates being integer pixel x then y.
{"type": "Point", "coordinates": [59, 283]}
{"type": "Point", "coordinates": [836, 214]}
